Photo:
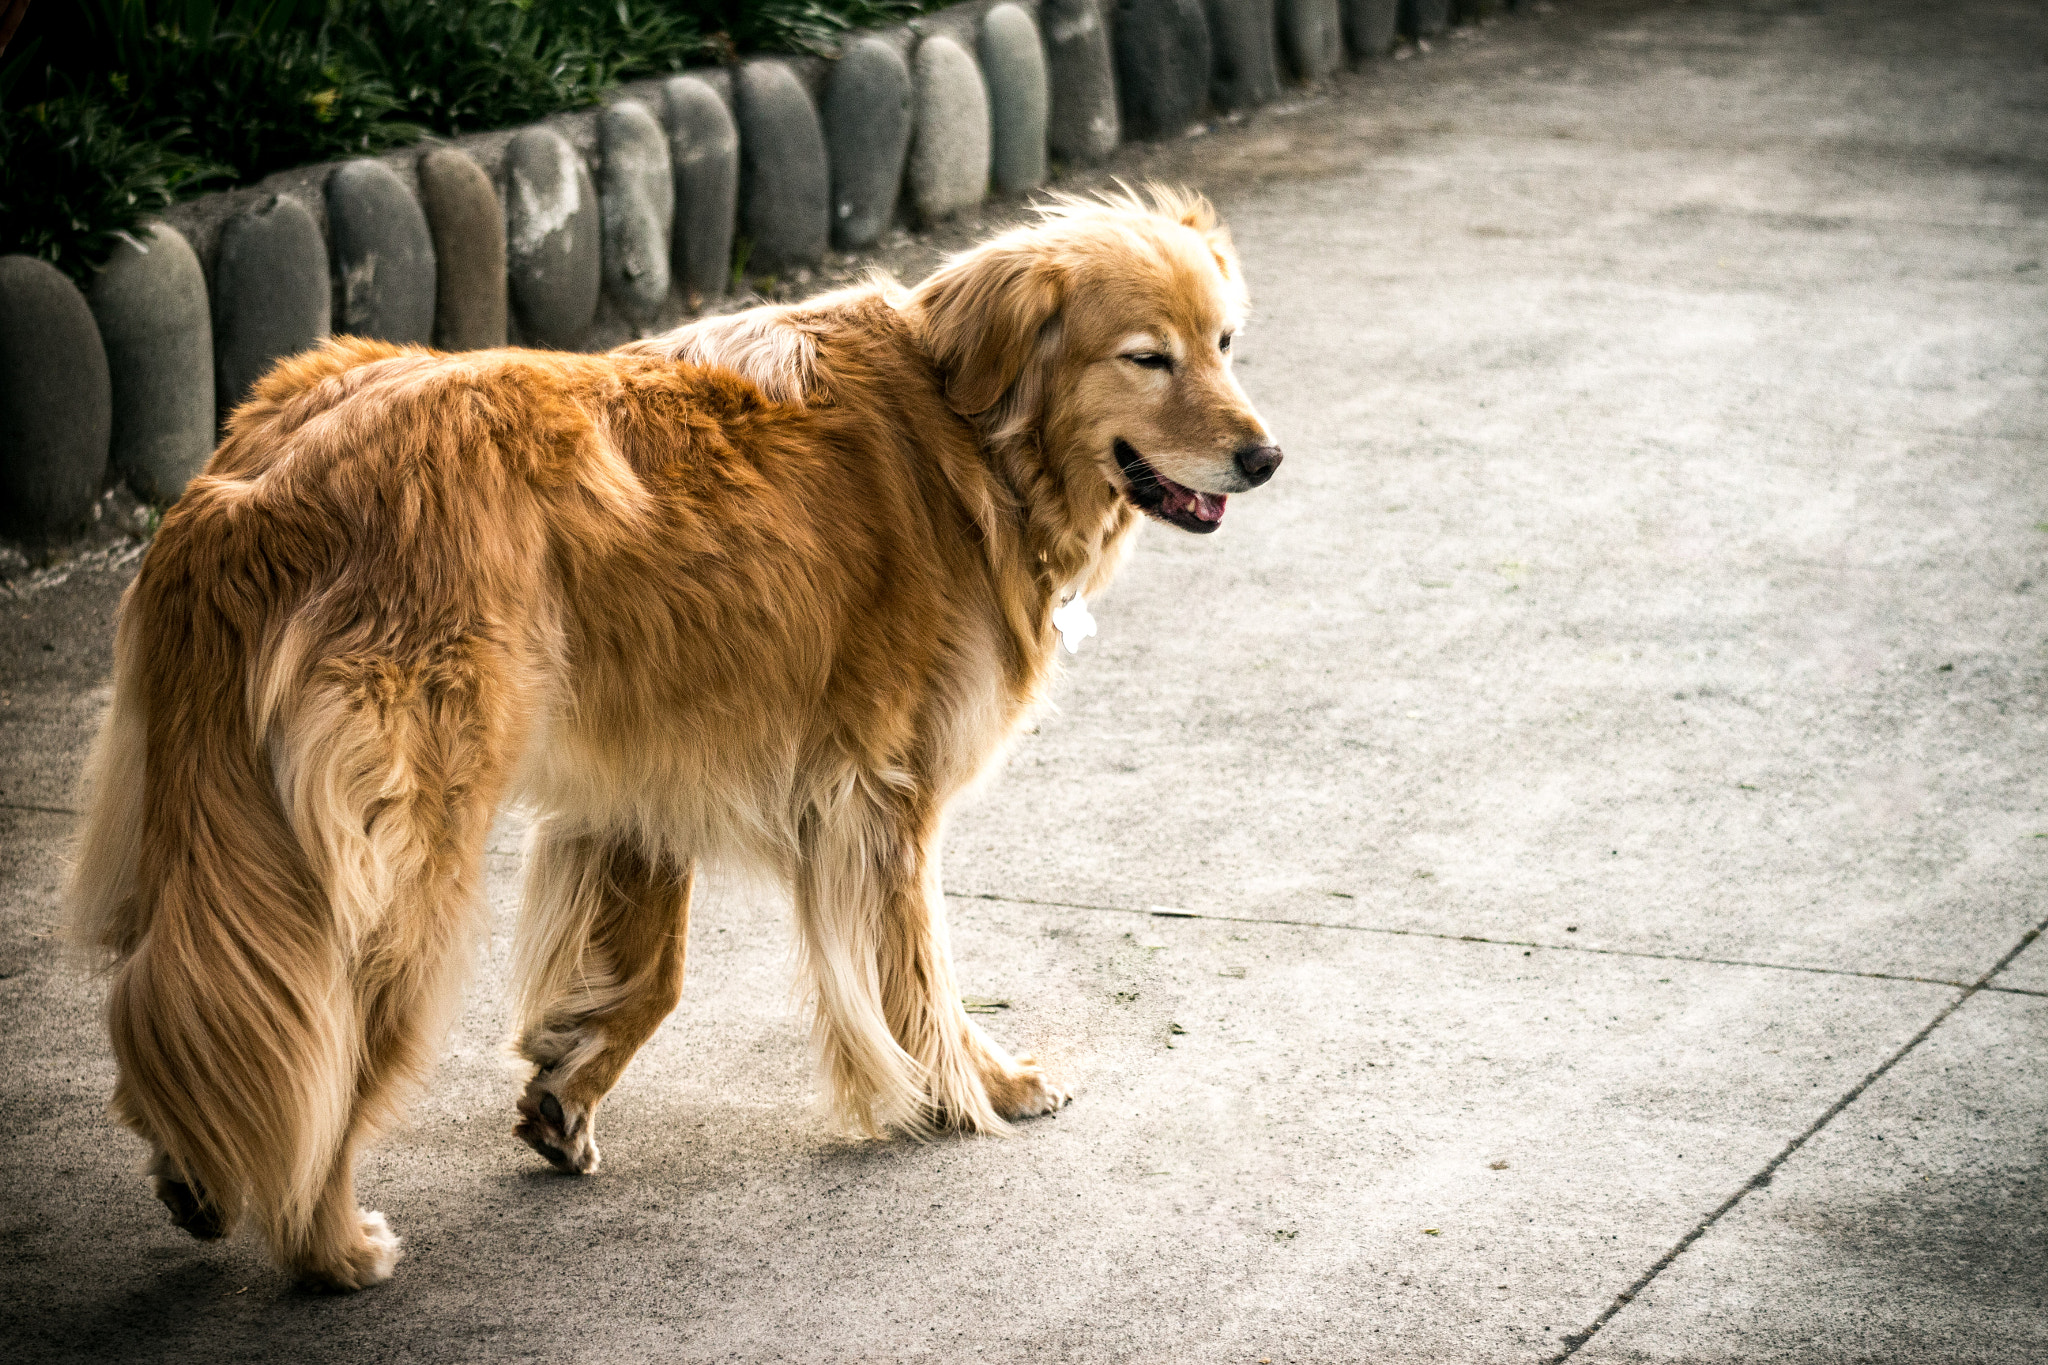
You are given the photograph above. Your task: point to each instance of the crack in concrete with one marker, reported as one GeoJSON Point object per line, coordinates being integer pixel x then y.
{"type": "Point", "coordinates": [1643, 953]}
{"type": "Point", "coordinates": [1762, 1178]}
{"type": "Point", "coordinates": [1978, 985]}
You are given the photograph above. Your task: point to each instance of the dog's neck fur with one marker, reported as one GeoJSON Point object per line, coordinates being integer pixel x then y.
{"type": "Point", "coordinates": [1070, 532]}
{"type": "Point", "coordinates": [1048, 533]}
{"type": "Point", "coordinates": [1077, 536]}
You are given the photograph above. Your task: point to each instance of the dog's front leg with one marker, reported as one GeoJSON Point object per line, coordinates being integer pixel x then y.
{"type": "Point", "coordinates": [896, 1046]}
{"type": "Point", "coordinates": [600, 965]}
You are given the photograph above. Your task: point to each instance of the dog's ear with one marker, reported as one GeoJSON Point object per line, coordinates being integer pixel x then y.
{"type": "Point", "coordinates": [1194, 211]}
{"type": "Point", "coordinates": [1217, 238]}
{"type": "Point", "coordinates": [982, 315]}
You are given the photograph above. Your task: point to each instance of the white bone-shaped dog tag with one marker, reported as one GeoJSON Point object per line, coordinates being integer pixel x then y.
{"type": "Point", "coordinates": [1074, 623]}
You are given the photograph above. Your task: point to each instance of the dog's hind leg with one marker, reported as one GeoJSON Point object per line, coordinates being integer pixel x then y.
{"type": "Point", "coordinates": [186, 1199]}
{"type": "Point", "coordinates": [599, 960]}
{"type": "Point", "coordinates": [406, 985]}
{"type": "Point", "coordinates": [391, 769]}
{"type": "Point", "coordinates": [107, 914]}
{"type": "Point", "coordinates": [895, 1043]}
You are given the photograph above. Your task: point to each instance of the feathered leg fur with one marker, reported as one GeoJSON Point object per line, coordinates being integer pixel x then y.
{"type": "Point", "coordinates": [599, 962]}
{"type": "Point", "coordinates": [895, 1045]}
{"type": "Point", "coordinates": [288, 895]}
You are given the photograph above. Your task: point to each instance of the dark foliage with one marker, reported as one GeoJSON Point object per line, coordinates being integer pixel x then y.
{"type": "Point", "coordinates": [73, 180]}
{"type": "Point", "coordinates": [112, 109]}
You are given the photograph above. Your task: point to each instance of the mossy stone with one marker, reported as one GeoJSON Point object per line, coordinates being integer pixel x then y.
{"type": "Point", "coordinates": [867, 134]}
{"type": "Point", "coordinates": [552, 252]}
{"type": "Point", "coordinates": [154, 321]}
{"type": "Point", "coordinates": [383, 255]}
{"type": "Point", "coordinates": [1082, 124]}
{"type": "Point", "coordinates": [1245, 68]}
{"type": "Point", "coordinates": [1312, 36]}
{"type": "Point", "coordinates": [271, 296]}
{"type": "Point", "coordinates": [1163, 57]}
{"type": "Point", "coordinates": [1370, 26]}
{"type": "Point", "coordinates": [785, 179]}
{"type": "Point", "coordinates": [950, 145]}
{"type": "Point", "coordinates": [1013, 64]}
{"type": "Point", "coordinates": [637, 190]}
{"type": "Point", "coordinates": [468, 227]}
{"type": "Point", "coordinates": [55, 402]}
{"type": "Point", "coordinates": [704, 159]}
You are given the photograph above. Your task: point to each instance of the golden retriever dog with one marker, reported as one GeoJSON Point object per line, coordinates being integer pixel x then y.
{"type": "Point", "coordinates": [774, 588]}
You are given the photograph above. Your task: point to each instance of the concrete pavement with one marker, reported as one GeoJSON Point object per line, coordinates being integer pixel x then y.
{"type": "Point", "coordinates": [1596, 790]}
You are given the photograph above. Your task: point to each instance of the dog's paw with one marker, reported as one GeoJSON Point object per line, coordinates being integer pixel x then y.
{"type": "Point", "coordinates": [1024, 1091]}
{"type": "Point", "coordinates": [368, 1259]}
{"type": "Point", "coordinates": [189, 1207]}
{"type": "Point", "coordinates": [380, 1251]}
{"type": "Point", "coordinates": [560, 1130]}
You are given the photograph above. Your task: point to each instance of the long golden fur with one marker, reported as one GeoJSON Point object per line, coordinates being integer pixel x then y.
{"type": "Point", "coordinates": [774, 587]}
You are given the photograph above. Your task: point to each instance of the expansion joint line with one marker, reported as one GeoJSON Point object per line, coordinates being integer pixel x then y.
{"type": "Point", "coordinates": [1162, 912]}
{"type": "Point", "coordinates": [1573, 1343]}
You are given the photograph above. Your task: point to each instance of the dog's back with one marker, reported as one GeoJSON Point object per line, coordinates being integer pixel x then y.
{"type": "Point", "coordinates": [323, 673]}
{"type": "Point", "coordinates": [296, 692]}
{"type": "Point", "coordinates": [777, 586]}
{"type": "Point", "coordinates": [338, 651]}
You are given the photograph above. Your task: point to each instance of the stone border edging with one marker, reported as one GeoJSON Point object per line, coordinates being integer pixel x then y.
{"type": "Point", "coordinates": [592, 227]}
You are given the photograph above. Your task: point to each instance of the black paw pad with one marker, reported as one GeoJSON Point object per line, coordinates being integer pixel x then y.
{"type": "Point", "coordinates": [189, 1209]}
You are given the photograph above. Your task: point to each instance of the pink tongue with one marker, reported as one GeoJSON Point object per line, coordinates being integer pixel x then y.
{"type": "Point", "coordinates": [1205, 506]}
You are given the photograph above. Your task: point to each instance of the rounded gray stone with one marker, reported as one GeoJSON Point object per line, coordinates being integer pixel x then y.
{"type": "Point", "coordinates": [1370, 26]}
{"type": "Point", "coordinates": [271, 297]}
{"type": "Point", "coordinates": [867, 129]}
{"type": "Point", "coordinates": [637, 190]}
{"type": "Point", "coordinates": [1162, 65]}
{"type": "Point", "coordinates": [150, 304]}
{"type": "Point", "coordinates": [468, 227]}
{"type": "Point", "coordinates": [552, 255]}
{"type": "Point", "coordinates": [1083, 124]}
{"type": "Point", "coordinates": [785, 180]}
{"type": "Point", "coordinates": [1013, 63]}
{"type": "Point", "coordinates": [1245, 71]}
{"type": "Point", "coordinates": [704, 159]}
{"type": "Point", "coordinates": [1312, 36]}
{"type": "Point", "coordinates": [949, 147]}
{"type": "Point", "coordinates": [55, 404]}
{"type": "Point", "coordinates": [383, 255]}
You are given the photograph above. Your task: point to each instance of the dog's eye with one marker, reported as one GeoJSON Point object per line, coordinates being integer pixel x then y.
{"type": "Point", "coordinates": [1151, 360]}
{"type": "Point", "coordinates": [1223, 342]}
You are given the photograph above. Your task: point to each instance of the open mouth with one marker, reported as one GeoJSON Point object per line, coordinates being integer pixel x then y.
{"type": "Point", "coordinates": [1158, 496]}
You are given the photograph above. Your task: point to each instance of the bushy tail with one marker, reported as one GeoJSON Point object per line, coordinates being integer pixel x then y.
{"type": "Point", "coordinates": [229, 1012]}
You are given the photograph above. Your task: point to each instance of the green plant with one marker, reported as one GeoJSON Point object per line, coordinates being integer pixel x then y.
{"type": "Point", "coordinates": [461, 65]}
{"type": "Point", "coordinates": [256, 84]}
{"type": "Point", "coordinates": [152, 100]}
{"type": "Point", "coordinates": [156, 99]}
{"type": "Point", "coordinates": [73, 181]}
{"type": "Point", "coordinates": [812, 26]}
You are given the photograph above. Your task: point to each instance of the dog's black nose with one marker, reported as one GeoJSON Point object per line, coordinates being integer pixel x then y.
{"type": "Point", "coordinates": [1258, 462]}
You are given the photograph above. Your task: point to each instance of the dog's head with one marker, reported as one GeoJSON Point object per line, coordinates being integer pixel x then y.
{"type": "Point", "coordinates": [1106, 330]}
